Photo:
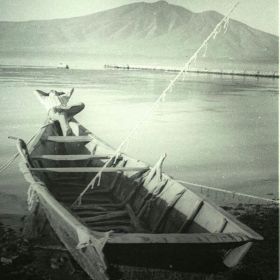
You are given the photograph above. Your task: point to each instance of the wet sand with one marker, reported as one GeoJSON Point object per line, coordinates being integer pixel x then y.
{"type": "Point", "coordinates": [23, 259]}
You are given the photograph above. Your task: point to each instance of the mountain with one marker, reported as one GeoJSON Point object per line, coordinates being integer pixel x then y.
{"type": "Point", "coordinates": [149, 29]}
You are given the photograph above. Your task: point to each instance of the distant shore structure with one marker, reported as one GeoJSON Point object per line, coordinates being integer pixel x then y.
{"type": "Point", "coordinates": [248, 73]}
{"type": "Point", "coordinates": [63, 66]}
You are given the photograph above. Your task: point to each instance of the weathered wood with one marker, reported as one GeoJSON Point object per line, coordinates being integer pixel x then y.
{"type": "Point", "coordinates": [190, 219]}
{"type": "Point", "coordinates": [87, 169]}
{"type": "Point", "coordinates": [167, 210]}
{"type": "Point", "coordinates": [70, 185]}
{"type": "Point", "coordinates": [87, 199]}
{"type": "Point", "coordinates": [96, 191]}
{"type": "Point", "coordinates": [114, 182]}
{"type": "Point", "coordinates": [157, 188]}
{"type": "Point", "coordinates": [107, 216]}
{"type": "Point", "coordinates": [61, 178]}
{"type": "Point", "coordinates": [177, 238]}
{"type": "Point", "coordinates": [103, 206]}
{"type": "Point", "coordinates": [70, 157]}
{"type": "Point", "coordinates": [96, 208]}
{"type": "Point", "coordinates": [119, 228]}
{"type": "Point", "coordinates": [110, 223]}
{"type": "Point", "coordinates": [223, 225]}
{"type": "Point", "coordinates": [134, 220]}
{"type": "Point", "coordinates": [76, 191]}
{"type": "Point", "coordinates": [69, 139]}
{"type": "Point", "coordinates": [91, 213]}
{"type": "Point", "coordinates": [156, 171]}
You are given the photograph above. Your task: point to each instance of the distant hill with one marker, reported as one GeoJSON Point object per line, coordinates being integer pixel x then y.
{"type": "Point", "coordinates": [139, 29]}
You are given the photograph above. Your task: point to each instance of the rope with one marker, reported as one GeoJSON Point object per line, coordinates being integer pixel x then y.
{"type": "Point", "coordinates": [10, 161]}
{"type": "Point", "coordinates": [238, 194]}
{"type": "Point", "coordinates": [226, 25]}
{"type": "Point", "coordinates": [218, 30]}
{"type": "Point", "coordinates": [32, 198]}
{"type": "Point", "coordinates": [205, 50]}
{"type": "Point", "coordinates": [161, 98]}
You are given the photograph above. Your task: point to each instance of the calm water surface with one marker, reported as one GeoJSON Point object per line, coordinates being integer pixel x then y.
{"type": "Point", "coordinates": [219, 131]}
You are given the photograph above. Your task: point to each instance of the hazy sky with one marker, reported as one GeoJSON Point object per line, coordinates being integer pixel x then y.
{"type": "Point", "coordinates": [261, 14]}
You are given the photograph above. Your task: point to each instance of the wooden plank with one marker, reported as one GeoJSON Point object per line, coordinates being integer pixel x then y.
{"type": "Point", "coordinates": [69, 139]}
{"type": "Point", "coordinates": [134, 220]}
{"type": "Point", "coordinates": [65, 180]}
{"type": "Point", "coordinates": [103, 206]}
{"type": "Point", "coordinates": [90, 213]}
{"type": "Point", "coordinates": [87, 169]}
{"type": "Point", "coordinates": [94, 208]}
{"type": "Point", "coordinates": [107, 216]}
{"type": "Point", "coordinates": [86, 199]}
{"type": "Point", "coordinates": [71, 157]}
{"type": "Point", "coordinates": [70, 185]}
{"type": "Point", "coordinates": [191, 217]}
{"type": "Point", "coordinates": [110, 223]}
{"type": "Point", "coordinates": [119, 228]}
{"type": "Point", "coordinates": [176, 238]}
{"type": "Point", "coordinates": [167, 210]}
{"type": "Point", "coordinates": [76, 191]}
{"type": "Point", "coordinates": [223, 225]}
{"type": "Point", "coordinates": [67, 193]}
{"type": "Point", "coordinates": [99, 191]}
{"type": "Point", "coordinates": [113, 183]}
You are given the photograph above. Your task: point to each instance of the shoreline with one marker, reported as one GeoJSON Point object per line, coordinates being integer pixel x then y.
{"type": "Point", "coordinates": [256, 74]}
{"type": "Point", "coordinates": [221, 69]}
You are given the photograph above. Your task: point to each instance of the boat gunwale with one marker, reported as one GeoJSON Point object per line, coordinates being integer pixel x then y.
{"type": "Point", "coordinates": [179, 238]}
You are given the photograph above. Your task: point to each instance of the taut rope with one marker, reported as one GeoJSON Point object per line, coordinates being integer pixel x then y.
{"type": "Point", "coordinates": [230, 192]}
{"type": "Point", "coordinates": [161, 98]}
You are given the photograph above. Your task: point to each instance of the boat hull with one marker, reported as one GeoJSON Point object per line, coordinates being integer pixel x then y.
{"type": "Point", "coordinates": [202, 258]}
{"type": "Point", "coordinates": [183, 231]}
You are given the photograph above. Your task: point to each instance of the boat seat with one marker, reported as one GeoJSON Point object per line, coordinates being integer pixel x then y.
{"type": "Point", "coordinates": [88, 169]}
{"type": "Point", "coordinates": [69, 139]}
{"type": "Point", "coordinates": [71, 157]}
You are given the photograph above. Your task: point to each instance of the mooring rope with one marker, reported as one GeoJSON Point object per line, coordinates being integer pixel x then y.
{"type": "Point", "coordinates": [161, 98]}
{"type": "Point", "coordinates": [208, 188]}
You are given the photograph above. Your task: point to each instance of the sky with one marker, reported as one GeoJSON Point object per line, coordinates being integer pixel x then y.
{"type": "Point", "coordinates": [260, 14]}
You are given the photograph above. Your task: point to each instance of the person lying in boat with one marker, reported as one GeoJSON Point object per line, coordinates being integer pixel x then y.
{"type": "Point", "coordinates": [58, 110]}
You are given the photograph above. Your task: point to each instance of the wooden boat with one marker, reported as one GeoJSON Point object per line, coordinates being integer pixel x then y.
{"type": "Point", "coordinates": [138, 216]}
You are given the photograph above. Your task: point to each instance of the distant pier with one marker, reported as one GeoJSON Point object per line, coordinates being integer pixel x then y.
{"type": "Point", "coordinates": [248, 73]}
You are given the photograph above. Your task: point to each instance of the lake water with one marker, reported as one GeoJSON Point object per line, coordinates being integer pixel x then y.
{"type": "Point", "coordinates": [219, 131]}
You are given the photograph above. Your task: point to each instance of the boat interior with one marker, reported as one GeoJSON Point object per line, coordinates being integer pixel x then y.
{"type": "Point", "coordinates": [132, 197]}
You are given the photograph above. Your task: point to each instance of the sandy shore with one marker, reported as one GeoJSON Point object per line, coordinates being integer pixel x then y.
{"type": "Point", "coordinates": [22, 259]}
